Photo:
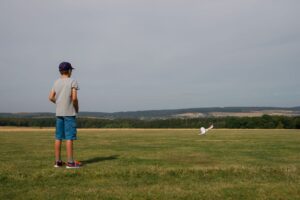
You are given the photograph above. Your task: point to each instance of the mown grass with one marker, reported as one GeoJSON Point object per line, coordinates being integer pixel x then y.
{"type": "Point", "coordinates": [154, 164]}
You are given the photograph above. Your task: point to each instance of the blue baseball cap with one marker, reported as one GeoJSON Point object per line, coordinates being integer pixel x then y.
{"type": "Point", "coordinates": [65, 66]}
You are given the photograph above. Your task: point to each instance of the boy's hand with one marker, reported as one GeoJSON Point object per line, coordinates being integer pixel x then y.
{"type": "Point", "coordinates": [75, 104]}
{"type": "Point", "coordinates": [52, 96]}
{"type": "Point", "coordinates": [75, 100]}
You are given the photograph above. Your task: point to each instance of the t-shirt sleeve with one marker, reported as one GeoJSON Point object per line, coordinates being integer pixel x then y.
{"type": "Point", "coordinates": [75, 85]}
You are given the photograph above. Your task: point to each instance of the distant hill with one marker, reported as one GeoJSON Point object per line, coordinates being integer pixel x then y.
{"type": "Point", "coordinates": [175, 113]}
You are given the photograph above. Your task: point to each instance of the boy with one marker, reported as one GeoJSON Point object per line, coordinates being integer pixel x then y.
{"type": "Point", "coordinates": [64, 95]}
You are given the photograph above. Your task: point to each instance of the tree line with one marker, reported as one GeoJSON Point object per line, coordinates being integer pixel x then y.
{"type": "Point", "coordinates": [265, 122]}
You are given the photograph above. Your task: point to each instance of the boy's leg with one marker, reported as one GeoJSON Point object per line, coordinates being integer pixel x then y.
{"type": "Point", "coordinates": [71, 132]}
{"type": "Point", "coordinates": [69, 144]}
{"type": "Point", "coordinates": [57, 150]}
{"type": "Point", "coordinates": [71, 162]}
{"type": "Point", "coordinates": [59, 136]}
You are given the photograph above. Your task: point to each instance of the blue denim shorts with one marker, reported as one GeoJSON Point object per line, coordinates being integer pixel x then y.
{"type": "Point", "coordinates": [66, 128]}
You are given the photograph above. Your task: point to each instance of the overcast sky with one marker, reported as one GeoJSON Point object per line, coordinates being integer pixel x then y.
{"type": "Point", "coordinates": [151, 54]}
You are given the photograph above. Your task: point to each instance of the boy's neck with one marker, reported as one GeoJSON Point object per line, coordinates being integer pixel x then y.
{"type": "Point", "coordinates": [63, 76]}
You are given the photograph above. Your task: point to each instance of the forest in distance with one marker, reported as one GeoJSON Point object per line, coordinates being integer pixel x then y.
{"type": "Point", "coordinates": [263, 122]}
{"type": "Point", "coordinates": [172, 113]}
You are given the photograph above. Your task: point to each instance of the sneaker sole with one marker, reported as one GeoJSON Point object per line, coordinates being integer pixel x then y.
{"type": "Point", "coordinates": [72, 167]}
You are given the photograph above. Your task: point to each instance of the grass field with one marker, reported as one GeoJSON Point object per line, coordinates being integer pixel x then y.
{"type": "Point", "coordinates": [153, 164]}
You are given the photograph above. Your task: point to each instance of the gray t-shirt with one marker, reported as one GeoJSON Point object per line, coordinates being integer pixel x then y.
{"type": "Point", "coordinates": [63, 89]}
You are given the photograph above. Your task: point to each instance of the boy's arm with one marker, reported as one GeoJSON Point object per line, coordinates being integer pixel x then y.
{"type": "Point", "coordinates": [75, 99]}
{"type": "Point", "coordinates": [52, 96]}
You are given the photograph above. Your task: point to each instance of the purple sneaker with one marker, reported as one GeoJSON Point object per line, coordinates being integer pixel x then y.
{"type": "Point", "coordinates": [59, 163]}
{"type": "Point", "coordinates": [73, 165]}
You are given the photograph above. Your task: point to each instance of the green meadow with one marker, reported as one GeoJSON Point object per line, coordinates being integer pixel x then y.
{"type": "Point", "coordinates": [153, 164]}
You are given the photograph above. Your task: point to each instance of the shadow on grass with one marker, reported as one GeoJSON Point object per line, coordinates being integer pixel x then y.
{"type": "Point", "coordinates": [99, 159]}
